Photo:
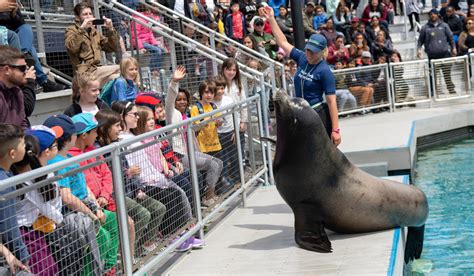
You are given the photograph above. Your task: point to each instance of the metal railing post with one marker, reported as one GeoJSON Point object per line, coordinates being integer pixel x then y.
{"type": "Point", "coordinates": [239, 155]}
{"type": "Point", "coordinates": [262, 145]}
{"type": "Point", "coordinates": [432, 80]}
{"type": "Point", "coordinates": [194, 176]}
{"type": "Point", "coordinates": [250, 131]}
{"type": "Point", "coordinates": [266, 132]}
{"type": "Point", "coordinates": [39, 31]}
{"type": "Point", "coordinates": [173, 55]}
{"type": "Point", "coordinates": [121, 212]}
{"type": "Point", "coordinates": [388, 81]}
{"type": "Point", "coordinates": [212, 41]}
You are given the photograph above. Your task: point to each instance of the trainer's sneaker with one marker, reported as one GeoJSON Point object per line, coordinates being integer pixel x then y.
{"type": "Point", "coordinates": [196, 243]}
{"type": "Point", "coordinates": [185, 246]}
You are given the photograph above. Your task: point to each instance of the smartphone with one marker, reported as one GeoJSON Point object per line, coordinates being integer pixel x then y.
{"type": "Point", "coordinates": [98, 22]}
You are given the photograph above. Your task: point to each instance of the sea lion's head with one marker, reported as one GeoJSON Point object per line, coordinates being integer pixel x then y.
{"type": "Point", "coordinates": [298, 125]}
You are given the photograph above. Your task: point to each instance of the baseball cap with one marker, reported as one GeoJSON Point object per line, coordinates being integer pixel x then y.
{"type": "Point", "coordinates": [355, 19]}
{"type": "Point", "coordinates": [310, 3]}
{"type": "Point", "coordinates": [86, 118]}
{"type": "Point", "coordinates": [366, 54]}
{"type": "Point", "coordinates": [148, 99]}
{"type": "Point", "coordinates": [45, 135]}
{"type": "Point", "coordinates": [316, 43]}
{"type": "Point", "coordinates": [258, 21]}
{"type": "Point", "coordinates": [435, 11]}
{"type": "Point", "coordinates": [65, 122]}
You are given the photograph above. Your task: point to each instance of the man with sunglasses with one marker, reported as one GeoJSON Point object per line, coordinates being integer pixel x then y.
{"type": "Point", "coordinates": [264, 39]}
{"type": "Point", "coordinates": [16, 80]}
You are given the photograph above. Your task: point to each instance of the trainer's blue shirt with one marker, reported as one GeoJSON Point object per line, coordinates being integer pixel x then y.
{"type": "Point", "coordinates": [312, 80]}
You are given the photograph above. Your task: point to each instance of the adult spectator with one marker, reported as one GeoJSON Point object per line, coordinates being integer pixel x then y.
{"type": "Point", "coordinates": [400, 86]}
{"type": "Point", "coordinates": [337, 52]}
{"type": "Point", "coordinates": [14, 21]}
{"type": "Point", "coordinates": [466, 39]}
{"type": "Point", "coordinates": [248, 8]}
{"type": "Point", "coordinates": [352, 30]}
{"type": "Point", "coordinates": [359, 45]}
{"type": "Point", "coordinates": [375, 8]}
{"type": "Point", "coordinates": [363, 89]}
{"type": "Point", "coordinates": [235, 23]}
{"type": "Point", "coordinates": [16, 81]}
{"type": "Point", "coordinates": [84, 44]}
{"type": "Point", "coordinates": [329, 32]}
{"type": "Point", "coordinates": [285, 23]}
{"type": "Point", "coordinates": [391, 10]}
{"type": "Point", "coordinates": [314, 78]}
{"type": "Point", "coordinates": [308, 16]}
{"type": "Point", "coordinates": [439, 43]}
{"type": "Point", "coordinates": [454, 23]}
{"type": "Point", "coordinates": [381, 46]}
{"type": "Point", "coordinates": [342, 18]}
{"type": "Point", "coordinates": [261, 14]}
{"type": "Point", "coordinates": [263, 39]}
{"type": "Point", "coordinates": [413, 11]}
{"type": "Point", "coordinates": [373, 28]}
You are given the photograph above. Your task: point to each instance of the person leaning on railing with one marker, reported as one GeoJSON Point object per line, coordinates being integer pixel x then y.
{"type": "Point", "coordinates": [84, 44]}
{"type": "Point", "coordinates": [314, 78]}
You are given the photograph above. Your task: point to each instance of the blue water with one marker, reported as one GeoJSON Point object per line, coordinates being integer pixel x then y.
{"type": "Point", "coordinates": [446, 175]}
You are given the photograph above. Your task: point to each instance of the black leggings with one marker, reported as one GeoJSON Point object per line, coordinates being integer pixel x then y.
{"type": "Point", "coordinates": [417, 18]}
{"type": "Point", "coordinates": [323, 112]}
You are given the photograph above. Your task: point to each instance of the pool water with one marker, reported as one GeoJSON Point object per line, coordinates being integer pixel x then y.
{"type": "Point", "coordinates": [446, 174]}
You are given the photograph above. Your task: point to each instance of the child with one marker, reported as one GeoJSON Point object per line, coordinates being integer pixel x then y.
{"type": "Point", "coordinates": [343, 95]}
{"type": "Point", "coordinates": [126, 86]}
{"type": "Point", "coordinates": [146, 212]}
{"type": "Point", "coordinates": [12, 262]}
{"type": "Point", "coordinates": [85, 95]}
{"type": "Point", "coordinates": [235, 90]}
{"type": "Point", "coordinates": [78, 198]}
{"type": "Point", "coordinates": [12, 150]}
{"type": "Point", "coordinates": [235, 23]}
{"type": "Point", "coordinates": [177, 103]}
{"type": "Point", "coordinates": [150, 178]}
{"type": "Point", "coordinates": [39, 211]}
{"type": "Point", "coordinates": [226, 135]}
{"type": "Point", "coordinates": [319, 18]}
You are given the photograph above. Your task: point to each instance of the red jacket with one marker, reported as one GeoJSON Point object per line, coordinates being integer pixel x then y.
{"type": "Point", "coordinates": [144, 34]}
{"type": "Point", "coordinates": [98, 178]}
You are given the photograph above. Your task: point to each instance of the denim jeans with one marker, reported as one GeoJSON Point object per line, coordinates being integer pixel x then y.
{"type": "Point", "coordinates": [25, 33]}
{"type": "Point", "coordinates": [156, 55]}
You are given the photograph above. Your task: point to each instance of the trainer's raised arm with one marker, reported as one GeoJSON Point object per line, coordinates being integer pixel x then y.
{"type": "Point", "coordinates": [277, 33]}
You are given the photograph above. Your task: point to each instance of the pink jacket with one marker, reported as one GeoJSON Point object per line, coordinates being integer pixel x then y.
{"type": "Point", "coordinates": [98, 178]}
{"type": "Point", "coordinates": [143, 34]}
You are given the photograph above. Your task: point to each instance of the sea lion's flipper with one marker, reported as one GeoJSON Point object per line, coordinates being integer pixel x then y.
{"type": "Point", "coordinates": [414, 244]}
{"type": "Point", "coordinates": [309, 229]}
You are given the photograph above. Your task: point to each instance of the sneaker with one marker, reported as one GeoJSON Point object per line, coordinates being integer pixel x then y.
{"type": "Point", "coordinates": [196, 243]}
{"type": "Point", "coordinates": [185, 246]}
{"type": "Point", "coordinates": [147, 249]}
{"type": "Point", "coordinates": [51, 86]}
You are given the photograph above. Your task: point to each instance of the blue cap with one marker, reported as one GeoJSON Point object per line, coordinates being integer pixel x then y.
{"type": "Point", "coordinates": [85, 118]}
{"type": "Point", "coordinates": [316, 43]}
{"type": "Point", "coordinates": [435, 11]}
{"type": "Point", "coordinates": [65, 122]}
{"type": "Point", "coordinates": [45, 135]}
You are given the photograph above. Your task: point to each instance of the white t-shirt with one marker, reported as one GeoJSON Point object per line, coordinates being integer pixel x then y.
{"type": "Point", "coordinates": [92, 110]}
{"type": "Point", "coordinates": [228, 124]}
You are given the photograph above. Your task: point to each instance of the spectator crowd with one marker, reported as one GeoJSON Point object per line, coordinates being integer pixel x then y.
{"type": "Point", "coordinates": [68, 226]}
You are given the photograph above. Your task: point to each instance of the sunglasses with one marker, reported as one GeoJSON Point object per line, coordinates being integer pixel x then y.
{"type": "Point", "coordinates": [133, 114]}
{"type": "Point", "coordinates": [21, 68]}
{"type": "Point", "coordinates": [259, 24]}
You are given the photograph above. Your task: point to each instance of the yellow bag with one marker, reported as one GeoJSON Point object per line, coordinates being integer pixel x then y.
{"type": "Point", "coordinates": [43, 224]}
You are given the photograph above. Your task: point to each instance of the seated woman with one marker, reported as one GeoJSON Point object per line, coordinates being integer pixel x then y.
{"type": "Point", "coordinates": [84, 44]}
{"type": "Point", "coordinates": [337, 51]}
{"type": "Point", "coordinates": [375, 7]}
{"type": "Point", "coordinates": [358, 46]}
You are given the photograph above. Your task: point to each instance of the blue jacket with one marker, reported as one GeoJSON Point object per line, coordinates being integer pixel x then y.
{"type": "Point", "coordinates": [124, 90]}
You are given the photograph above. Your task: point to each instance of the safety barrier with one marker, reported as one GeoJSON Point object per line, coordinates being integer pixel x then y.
{"type": "Point", "coordinates": [157, 208]}
{"type": "Point", "coordinates": [451, 78]}
{"type": "Point", "coordinates": [410, 82]}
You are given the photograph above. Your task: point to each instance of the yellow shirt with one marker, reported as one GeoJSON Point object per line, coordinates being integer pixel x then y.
{"type": "Point", "coordinates": [207, 137]}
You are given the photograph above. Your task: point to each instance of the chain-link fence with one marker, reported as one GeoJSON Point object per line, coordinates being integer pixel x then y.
{"type": "Point", "coordinates": [410, 82]}
{"type": "Point", "coordinates": [125, 206]}
{"type": "Point", "coordinates": [450, 78]}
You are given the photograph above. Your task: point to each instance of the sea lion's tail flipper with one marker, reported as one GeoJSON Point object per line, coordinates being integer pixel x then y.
{"type": "Point", "coordinates": [414, 244]}
{"type": "Point", "coordinates": [309, 230]}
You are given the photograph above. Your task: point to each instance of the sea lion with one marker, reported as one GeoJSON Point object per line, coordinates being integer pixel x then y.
{"type": "Point", "coordinates": [325, 190]}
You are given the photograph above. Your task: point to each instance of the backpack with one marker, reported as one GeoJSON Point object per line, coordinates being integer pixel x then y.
{"type": "Point", "coordinates": [201, 109]}
{"type": "Point", "coordinates": [106, 92]}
